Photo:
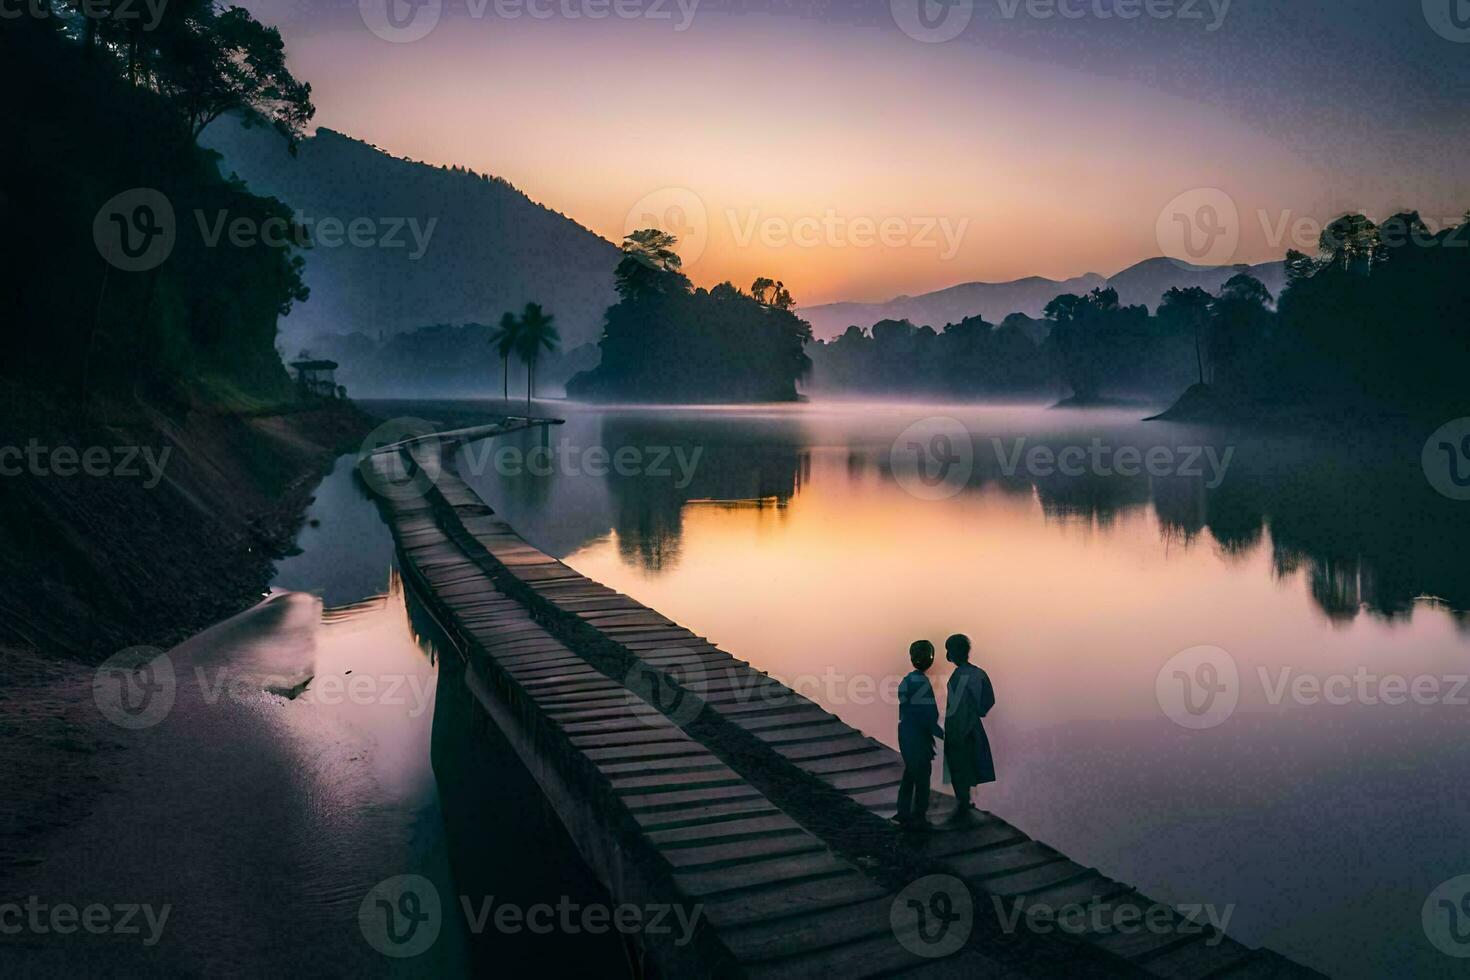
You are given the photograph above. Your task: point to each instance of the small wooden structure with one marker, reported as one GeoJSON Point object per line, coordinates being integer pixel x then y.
{"type": "Point", "coordinates": [317, 378]}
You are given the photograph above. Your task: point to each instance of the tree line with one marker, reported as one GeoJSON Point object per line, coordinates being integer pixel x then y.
{"type": "Point", "coordinates": [113, 102]}
{"type": "Point", "coordinates": [1377, 322]}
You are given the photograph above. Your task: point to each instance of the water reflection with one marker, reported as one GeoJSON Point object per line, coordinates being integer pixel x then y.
{"type": "Point", "coordinates": [1356, 519]}
{"type": "Point", "coordinates": [1323, 826]}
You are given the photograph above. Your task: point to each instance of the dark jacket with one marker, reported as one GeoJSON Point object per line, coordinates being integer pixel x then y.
{"type": "Point", "coordinates": [918, 720]}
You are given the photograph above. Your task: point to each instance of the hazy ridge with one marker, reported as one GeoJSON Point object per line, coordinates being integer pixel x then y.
{"type": "Point", "coordinates": [490, 248]}
{"type": "Point", "coordinates": [1140, 284]}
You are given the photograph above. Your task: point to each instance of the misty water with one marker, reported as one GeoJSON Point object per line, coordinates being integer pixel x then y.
{"type": "Point", "coordinates": [816, 542]}
{"type": "Point", "coordinates": [287, 809]}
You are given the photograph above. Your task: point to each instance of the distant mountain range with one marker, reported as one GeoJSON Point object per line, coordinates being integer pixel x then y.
{"type": "Point", "coordinates": [1140, 284]}
{"type": "Point", "coordinates": [449, 246]}
{"type": "Point", "coordinates": [469, 247]}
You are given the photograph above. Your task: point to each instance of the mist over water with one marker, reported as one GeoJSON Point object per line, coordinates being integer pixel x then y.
{"type": "Point", "coordinates": [806, 541]}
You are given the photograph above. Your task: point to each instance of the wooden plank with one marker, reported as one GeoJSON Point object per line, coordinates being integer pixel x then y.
{"type": "Point", "coordinates": [992, 862]}
{"type": "Point", "coordinates": [819, 929]}
{"type": "Point", "coordinates": [672, 747]}
{"type": "Point", "coordinates": [662, 782]}
{"type": "Point", "coordinates": [673, 764]}
{"type": "Point", "coordinates": [681, 798]}
{"type": "Point", "coordinates": [766, 905]}
{"type": "Point", "coordinates": [778, 823]}
{"type": "Point", "coordinates": [1211, 956]}
{"type": "Point", "coordinates": [703, 814]}
{"type": "Point", "coordinates": [771, 871]}
{"type": "Point", "coordinates": [737, 853]}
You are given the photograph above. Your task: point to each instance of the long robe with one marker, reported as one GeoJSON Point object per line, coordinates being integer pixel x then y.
{"type": "Point", "coordinates": [967, 758]}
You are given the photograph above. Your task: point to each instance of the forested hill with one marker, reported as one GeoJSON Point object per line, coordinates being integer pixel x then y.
{"type": "Point", "coordinates": [470, 247]}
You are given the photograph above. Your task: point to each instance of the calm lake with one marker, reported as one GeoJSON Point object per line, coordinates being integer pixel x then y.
{"type": "Point", "coordinates": [1303, 775]}
{"type": "Point", "coordinates": [816, 542]}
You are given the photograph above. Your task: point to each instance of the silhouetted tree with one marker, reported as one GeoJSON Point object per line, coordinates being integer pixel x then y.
{"type": "Point", "coordinates": [214, 63]}
{"type": "Point", "coordinates": [1351, 243]}
{"type": "Point", "coordinates": [83, 134]}
{"type": "Point", "coordinates": [1190, 310]}
{"type": "Point", "coordinates": [1240, 319]}
{"type": "Point", "coordinates": [535, 333]}
{"type": "Point", "coordinates": [506, 339]}
{"type": "Point", "coordinates": [772, 293]}
{"type": "Point", "coordinates": [649, 265]}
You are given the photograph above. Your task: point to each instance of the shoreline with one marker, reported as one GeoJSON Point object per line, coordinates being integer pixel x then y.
{"type": "Point", "coordinates": [99, 563]}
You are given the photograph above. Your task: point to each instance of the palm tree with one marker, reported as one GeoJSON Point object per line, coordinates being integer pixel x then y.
{"type": "Point", "coordinates": [535, 334]}
{"type": "Point", "coordinates": [504, 339]}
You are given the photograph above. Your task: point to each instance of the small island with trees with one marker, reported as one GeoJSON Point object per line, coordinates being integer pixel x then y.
{"type": "Point", "coordinates": [666, 341]}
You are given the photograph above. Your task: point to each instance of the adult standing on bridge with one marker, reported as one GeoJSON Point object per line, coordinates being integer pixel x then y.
{"type": "Point", "coordinates": [967, 759]}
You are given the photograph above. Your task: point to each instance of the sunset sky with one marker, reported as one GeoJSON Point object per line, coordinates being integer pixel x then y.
{"type": "Point", "coordinates": [857, 162]}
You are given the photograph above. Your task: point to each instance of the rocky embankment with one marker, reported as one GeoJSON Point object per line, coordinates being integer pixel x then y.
{"type": "Point", "coordinates": [143, 524]}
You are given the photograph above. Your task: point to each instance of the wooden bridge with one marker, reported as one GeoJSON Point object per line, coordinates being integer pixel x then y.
{"type": "Point", "coordinates": [688, 777]}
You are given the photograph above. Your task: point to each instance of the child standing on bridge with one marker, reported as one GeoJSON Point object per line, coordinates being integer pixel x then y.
{"type": "Point", "coordinates": [918, 727]}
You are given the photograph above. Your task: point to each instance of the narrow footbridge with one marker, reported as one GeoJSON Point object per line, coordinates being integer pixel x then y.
{"type": "Point", "coordinates": [688, 777]}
